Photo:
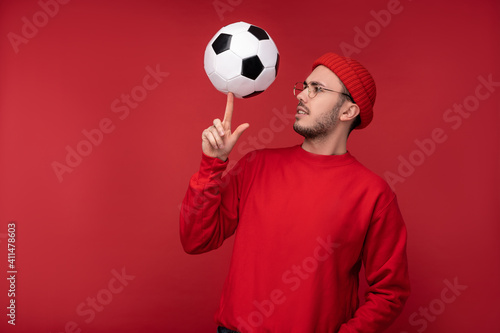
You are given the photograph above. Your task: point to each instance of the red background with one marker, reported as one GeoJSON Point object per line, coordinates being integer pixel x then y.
{"type": "Point", "coordinates": [119, 207]}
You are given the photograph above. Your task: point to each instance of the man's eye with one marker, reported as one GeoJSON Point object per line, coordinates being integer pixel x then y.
{"type": "Point", "coordinates": [317, 89]}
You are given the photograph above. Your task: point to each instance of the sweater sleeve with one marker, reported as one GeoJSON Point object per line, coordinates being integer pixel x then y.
{"type": "Point", "coordinates": [209, 211]}
{"type": "Point", "coordinates": [386, 271]}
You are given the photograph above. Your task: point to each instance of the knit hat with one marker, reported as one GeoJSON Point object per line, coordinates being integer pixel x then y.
{"type": "Point", "coordinates": [356, 79]}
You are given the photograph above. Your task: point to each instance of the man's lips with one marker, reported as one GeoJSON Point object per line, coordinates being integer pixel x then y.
{"type": "Point", "coordinates": [302, 110]}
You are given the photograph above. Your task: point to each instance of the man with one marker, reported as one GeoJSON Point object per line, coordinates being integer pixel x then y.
{"type": "Point", "coordinates": [305, 217]}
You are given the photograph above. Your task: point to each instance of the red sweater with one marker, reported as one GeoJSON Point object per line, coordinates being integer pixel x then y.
{"type": "Point", "coordinates": [304, 224]}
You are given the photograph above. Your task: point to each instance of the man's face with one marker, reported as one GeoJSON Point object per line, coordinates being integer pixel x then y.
{"type": "Point", "coordinates": [317, 117]}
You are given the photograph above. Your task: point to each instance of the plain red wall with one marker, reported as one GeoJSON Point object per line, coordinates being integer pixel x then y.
{"type": "Point", "coordinates": [117, 211]}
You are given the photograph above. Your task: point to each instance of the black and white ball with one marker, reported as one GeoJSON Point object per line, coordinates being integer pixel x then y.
{"type": "Point", "coordinates": [241, 58]}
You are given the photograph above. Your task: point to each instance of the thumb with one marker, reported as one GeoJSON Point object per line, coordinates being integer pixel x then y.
{"type": "Point", "coordinates": [239, 130]}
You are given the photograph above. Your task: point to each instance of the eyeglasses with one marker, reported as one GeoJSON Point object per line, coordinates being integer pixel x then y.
{"type": "Point", "coordinates": [313, 89]}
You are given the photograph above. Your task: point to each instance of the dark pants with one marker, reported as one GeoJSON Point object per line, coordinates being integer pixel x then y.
{"type": "Point", "coordinates": [221, 329]}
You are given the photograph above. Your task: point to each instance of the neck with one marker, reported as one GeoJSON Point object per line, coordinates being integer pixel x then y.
{"type": "Point", "coordinates": [333, 144]}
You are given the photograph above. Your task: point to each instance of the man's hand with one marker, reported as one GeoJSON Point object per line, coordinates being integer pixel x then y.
{"type": "Point", "coordinates": [217, 140]}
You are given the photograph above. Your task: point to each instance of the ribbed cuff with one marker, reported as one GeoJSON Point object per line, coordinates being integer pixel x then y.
{"type": "Point", "coordinates": [211, 168]}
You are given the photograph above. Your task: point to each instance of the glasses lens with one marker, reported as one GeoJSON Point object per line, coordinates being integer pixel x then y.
{"type": "Point", "coordinates": [313, 90]}
{"type": "Point", "coordinates": [299, 86]}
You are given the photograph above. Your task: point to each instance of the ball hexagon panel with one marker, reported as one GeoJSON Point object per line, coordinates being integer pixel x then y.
{"type": "Point", "coordinates": [209, 60]}
{"type": "Point", "coordinates": [252, 67]}
{"type": "Point", "coordinates": [265, 78]}
{"type": "Point", "coordinates": [228, 65]}
{"type": "Point", "coordinates": [218, 82]}
{"type": "Point", "coordinates": [241, 86]}
{"type": "Point", "coordinates": [244, 45]}
{"type": "Point", "coordinates": [267, 53]}
{"type": "Point", "coordinates": [235, 28]}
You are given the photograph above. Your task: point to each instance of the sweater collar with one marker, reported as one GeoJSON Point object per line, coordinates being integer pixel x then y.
{"type": "Point", "coordinates": [327, 160]}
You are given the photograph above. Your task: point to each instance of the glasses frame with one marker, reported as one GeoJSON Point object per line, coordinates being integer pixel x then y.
{"type": "Point", "coordinates": [309, 92]}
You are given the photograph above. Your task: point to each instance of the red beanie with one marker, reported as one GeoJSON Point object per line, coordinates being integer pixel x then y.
{"type": "Point", "coordinates": [356, 79]}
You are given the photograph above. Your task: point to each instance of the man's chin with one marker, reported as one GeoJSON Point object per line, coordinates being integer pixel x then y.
{"type": "Point", "coordinates": [300, 129]}
{"type": "Point", "coordinates": [309, 132]}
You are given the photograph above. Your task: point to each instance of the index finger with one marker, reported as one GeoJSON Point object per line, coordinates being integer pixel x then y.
{"type": "Point", "coordinates": [228, 114]}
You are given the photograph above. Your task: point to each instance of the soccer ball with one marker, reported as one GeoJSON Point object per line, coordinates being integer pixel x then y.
{"type": "Point", "coordinates": [241, 58]}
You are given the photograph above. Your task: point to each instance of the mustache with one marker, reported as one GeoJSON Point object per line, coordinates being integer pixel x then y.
{"type": "Point", "coordinates": [301, 104]}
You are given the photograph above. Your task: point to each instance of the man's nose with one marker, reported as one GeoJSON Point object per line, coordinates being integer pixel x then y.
{"type": "Point", "coordinates": [303, 95]}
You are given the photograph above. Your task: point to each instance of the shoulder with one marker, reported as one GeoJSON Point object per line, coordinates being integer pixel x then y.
{"type": "Point", "coordinates": [374, 191]}
{"type": "Point", "coordinates": [370, 181]}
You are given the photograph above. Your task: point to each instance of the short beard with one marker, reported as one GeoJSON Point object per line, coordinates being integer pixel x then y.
{"type": "Point", "coordinates": [323, 125]}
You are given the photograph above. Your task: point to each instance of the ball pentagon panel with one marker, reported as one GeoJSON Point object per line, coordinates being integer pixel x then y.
{"type": "Point", "coordinates": [259, 33]}
{"type": "Point", "coordinates": [252, 67]}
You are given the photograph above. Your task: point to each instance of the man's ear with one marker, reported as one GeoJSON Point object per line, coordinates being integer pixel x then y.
{"type": "Point", "coordinates": [350, 112]}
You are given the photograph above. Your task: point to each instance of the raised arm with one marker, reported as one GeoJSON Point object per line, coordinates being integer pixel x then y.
{"type": "Point", "coordinates": [217, 141]}
{"type": "Point", "coordinates": [209, 212]}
